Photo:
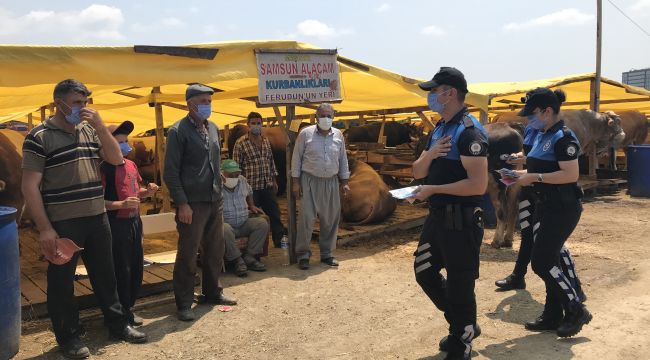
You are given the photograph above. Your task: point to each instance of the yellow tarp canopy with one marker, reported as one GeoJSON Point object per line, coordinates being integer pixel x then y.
{"type": "Point", "coordinates": [122, 82]}
{"type": "Point", "coordinates": [506, 96]}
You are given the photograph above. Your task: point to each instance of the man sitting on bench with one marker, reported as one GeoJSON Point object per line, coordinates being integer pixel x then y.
{"type": "Point", "coordinates": [237, 202]}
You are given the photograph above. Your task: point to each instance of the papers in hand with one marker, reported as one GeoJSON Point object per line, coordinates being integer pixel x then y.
{"type": "Point", "coordinates": [508, 176]}
{"type": "Point", "coordinates": [404, 193]}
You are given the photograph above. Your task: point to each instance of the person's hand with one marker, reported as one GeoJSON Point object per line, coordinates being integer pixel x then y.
{"type": "Point", "coordinates": [423, 192]}
{"type": "Point", "coordinates": [255, 210]}
{"type": "Point", "coordinates": [92, 117]}
{"type": "Point", "coordinates": [132, 202]}
{"type": "Point", "coordinates": [152, 188]}
{"type": "Point", "coordinates": [526, 179]}
{"type": "Point", "coordinates": [440, 148]}
{"type": "Point", "coordinates": [47, 242]}
{"type": "Point", "coordinates": [519, 160]}
{"type": "Point", "coordinates": [345, 190]}
{"type": "Point", "coordinates": [185, 214]}
{"type": "Point", "coordinates": [296, 190]}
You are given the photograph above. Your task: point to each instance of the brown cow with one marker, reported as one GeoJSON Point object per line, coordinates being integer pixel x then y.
{"type": "Point", "coordinates": [635, 125]}
{"type": "Point", "coordinates": [593, 130]}
{"type": "Point", "coordinates": [502, 139]}
{"type": "Point", "coordinates": [369, 200]}
{"type": "Point", "coordinates": [11, 157]}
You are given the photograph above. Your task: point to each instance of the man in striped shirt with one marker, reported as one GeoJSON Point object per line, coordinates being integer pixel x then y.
{"type": "Point", "coordinates": [63, 189]}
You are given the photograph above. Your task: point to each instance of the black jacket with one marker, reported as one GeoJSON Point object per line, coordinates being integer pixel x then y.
{"type": "Point", "coordinates": [192, 171]}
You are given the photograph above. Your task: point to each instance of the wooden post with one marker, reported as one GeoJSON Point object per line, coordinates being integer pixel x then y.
{"type": "Point", "coordinates": [362, 121]}
{"type": "Point", "coordinates": [312, 119]}
{"type": "Point", "coordinates": [594, 99]}
{"type": "Point", "coordinates": [51, 109]}
{"type": "Point", "coordinates": [382, 139]}
{"type": "Point", "coordinates": [42, 113]}
{"type": "Point", "coordinates": [160, 150]}
{"type": "Point", "coordinates": [291, 200]}
{"type": "Point", "coordinates": [30, 121]}
{"type": "Point", "coordinates": [427, 123]}
{"type": "Point", "coordinates": [226, 134]}
{"type": "Point", "coordinates": [483, 117]}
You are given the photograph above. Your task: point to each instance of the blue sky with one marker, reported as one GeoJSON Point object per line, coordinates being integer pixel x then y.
{"type": "Point", "coordinates": [502, 40]}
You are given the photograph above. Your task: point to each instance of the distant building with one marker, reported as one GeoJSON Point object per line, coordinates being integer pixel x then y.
{"type": "Point", "coordinates": [640, 78]}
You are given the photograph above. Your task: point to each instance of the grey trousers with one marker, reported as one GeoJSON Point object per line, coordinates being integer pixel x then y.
{"type": "Point", "coordinates": [256, 229]}
{"type": "Point", "coordinates": [320, 196]}
{"type": "Point", "coordinates": [206, 230]}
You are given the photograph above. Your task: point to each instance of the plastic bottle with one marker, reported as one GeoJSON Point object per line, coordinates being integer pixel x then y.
{"type": "Point", "coordinates": [284, 245]}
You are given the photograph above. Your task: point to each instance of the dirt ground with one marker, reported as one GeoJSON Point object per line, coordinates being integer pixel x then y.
{"type": "Point", "coordinates": [372, 308]}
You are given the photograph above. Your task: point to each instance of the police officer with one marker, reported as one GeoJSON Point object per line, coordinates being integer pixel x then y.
{"type": "Point", "coordinates": [455, 168]}
{"type": "Point", "coordinates": [552, 170]}
{"type": "Point", "coordinates": [526, 211]}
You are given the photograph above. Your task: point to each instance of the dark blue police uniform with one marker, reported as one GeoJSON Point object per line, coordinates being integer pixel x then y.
{"type": "Point", "coordinates": [558, 210]}
{"type": "Point", "coordinates": [453, 231]}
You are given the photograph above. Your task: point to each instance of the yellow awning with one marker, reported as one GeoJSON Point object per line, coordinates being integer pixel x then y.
{"type": "Point", "coordinates": [122, 80]}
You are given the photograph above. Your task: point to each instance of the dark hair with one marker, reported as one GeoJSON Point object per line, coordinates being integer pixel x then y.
{"type": "Point", "coordinates": [561, 97]}
{"type": "Point", "coordinates": [253, 115]}
{"type": "Point", "coordinates": [67, 86]}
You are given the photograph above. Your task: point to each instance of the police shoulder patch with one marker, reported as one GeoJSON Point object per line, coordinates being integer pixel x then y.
{"type": "Point", "coordinates": [475, 148]}
{"type": "Point", "coordinates": [547, 146]}
{"type": "Point", "coordinates": [571, 150]}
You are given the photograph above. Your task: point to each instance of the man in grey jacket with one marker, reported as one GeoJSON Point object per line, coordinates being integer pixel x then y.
{"type": "Point", "coordinates": [192, 175]}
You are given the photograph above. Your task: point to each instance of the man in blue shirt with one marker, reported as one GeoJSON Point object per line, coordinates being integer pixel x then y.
{"type": "Point", "coordinates": [320, 172]}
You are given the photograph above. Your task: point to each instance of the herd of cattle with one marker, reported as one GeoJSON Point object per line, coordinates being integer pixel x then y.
{"type": "Point", "coordinates": [370, 201]}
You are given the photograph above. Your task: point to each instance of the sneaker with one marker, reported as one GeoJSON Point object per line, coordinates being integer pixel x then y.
{"type": "Point", "coordinates": [75, 349]}
{"type": "Point", "coordinates": [253, 264]}
{"type": "Point", "coordinates": [331, 261]}
{"type": "Point", "coordinates": [574, 321]}
{"type": "Point", "coordinates": [511, 282]}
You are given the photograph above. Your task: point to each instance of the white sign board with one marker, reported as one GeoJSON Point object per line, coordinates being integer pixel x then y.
{"type": "Point", "coordinates": [297, 76]}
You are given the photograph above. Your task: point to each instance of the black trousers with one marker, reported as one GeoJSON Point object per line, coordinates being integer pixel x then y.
{"type": "Point", "coordinates": [206, 232]}
{"type": "Point", "coordinates": [458, 252]}
{"type": "Point", "coordinates": [128, 259]}
{"type": "Point", "coordinates": [265, 198]}
{"type": "Point", "coordinates": [553, 224]}
{"type": "Point", "coordinates": [92, 233]}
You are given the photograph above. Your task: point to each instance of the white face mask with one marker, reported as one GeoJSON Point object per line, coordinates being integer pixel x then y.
{"type": "Point", "coordinates": [231, 183]}
{"type": "Point", "coordinates": [325, 123]}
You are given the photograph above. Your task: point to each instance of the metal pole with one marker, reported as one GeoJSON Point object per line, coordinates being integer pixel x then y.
{"type": "Point", "coordinates": [291, 200]}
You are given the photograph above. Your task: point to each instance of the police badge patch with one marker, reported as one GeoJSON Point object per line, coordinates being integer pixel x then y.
{"type": "Point", "coordinates": [475, 148]}
{"type": "Point", "coordinates": [547, 146]}
{"type": "Point", "coordinates": [571, 150]}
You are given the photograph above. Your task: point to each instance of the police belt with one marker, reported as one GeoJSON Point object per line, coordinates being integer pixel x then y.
{"type": "Point", "coordinates": [458, 216]}
{"type": "Point", "coordinates": [563, 193]}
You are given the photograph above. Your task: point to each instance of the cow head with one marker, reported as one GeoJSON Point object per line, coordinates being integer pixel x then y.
{"type": "Point", "coordinates": [614, 129]}
{"type": "Point", "coordinates": [415, 132]}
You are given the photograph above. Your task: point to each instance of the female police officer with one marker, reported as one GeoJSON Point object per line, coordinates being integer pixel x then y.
{"type": "Point", "coordinates": [552, 170]}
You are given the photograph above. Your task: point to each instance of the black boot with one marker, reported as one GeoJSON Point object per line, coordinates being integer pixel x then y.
{"type": "Point", "coordinates": [511, 282]}
{"type": "Point", "coordinates": [574, 321]}
{"type": "Point", "coordinates": [444, 342]}
{"type": "Point", "coordinates": [543, 323]}
{"type": "Point", "coordinates": [458, 349]}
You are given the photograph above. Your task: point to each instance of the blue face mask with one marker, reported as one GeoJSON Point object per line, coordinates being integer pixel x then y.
{"type": "Point", "coordinates": [203, 111]}
{"type": "Point", "coordinates": [125, 148]}
{"type": "Point", "coordinates": [74, 117]}
{"type": "Point", "coordinates": [434, 105]}
{"type": "Point", "coordinates": [256, 129]}
{"type": "Point", "coordinates": [535, 122]}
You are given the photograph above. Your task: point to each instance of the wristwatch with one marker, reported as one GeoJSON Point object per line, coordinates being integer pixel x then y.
{"type": "Point", "coordinates": [540, 178]}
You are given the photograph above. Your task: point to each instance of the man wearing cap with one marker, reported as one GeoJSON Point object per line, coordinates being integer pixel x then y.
{"type": "Point", "coordinates": [192, 162]}
{"type": "Point", "coordinates": [320, 173]}
{"type": "Point", "coordinates": [122, 193]}
{"type": "Point", "coordinates": [454, 167]}
{"type": "Point", "coordinates": [237, 203]}
{"type": "Point", "coordinates": [63, 189]}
